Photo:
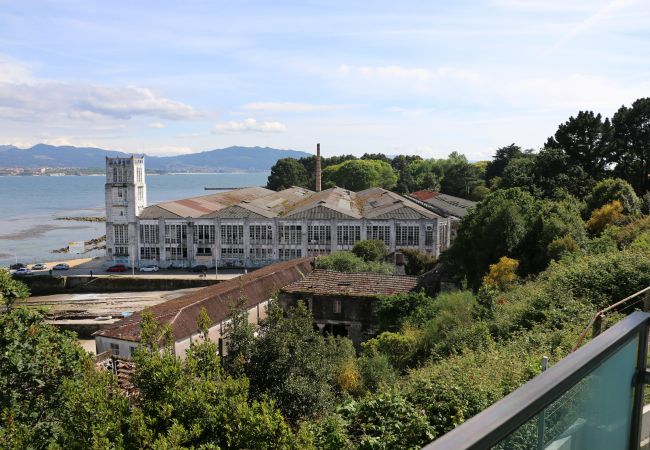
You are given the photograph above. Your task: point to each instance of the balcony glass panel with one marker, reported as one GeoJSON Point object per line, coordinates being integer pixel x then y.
{"type": "Point", "coordinates": [594, 414]}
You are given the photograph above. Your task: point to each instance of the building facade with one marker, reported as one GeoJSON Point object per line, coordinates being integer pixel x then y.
{"type": "Point", "coordinates": [126, 197]}
{"type": "Point", "coordinates": [253, 227]}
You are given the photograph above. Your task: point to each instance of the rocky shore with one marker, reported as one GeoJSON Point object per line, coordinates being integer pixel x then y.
{"type": "Point", "coordinates": [93, 244]}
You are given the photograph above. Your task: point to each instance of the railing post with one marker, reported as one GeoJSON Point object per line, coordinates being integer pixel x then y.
{"type": "Point", "coordinates": [646, 302]}
{"type": "Point", "coordinates": [639, 384]}
{"type": "Point", "coordinates": [598, 326]}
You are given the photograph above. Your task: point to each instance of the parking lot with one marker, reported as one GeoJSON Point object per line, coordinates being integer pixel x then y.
{"type": "Point", "coordinates": [98, 267]}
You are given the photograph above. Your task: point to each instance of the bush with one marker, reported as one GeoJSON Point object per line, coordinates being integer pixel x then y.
{"type": "Point", "coordinates": [562, 246]}
{"type": "Point", "coordinates": [418, 262]}
{"type": "Point", "coordinates": [601, 218]}
{"type": "Point", "coordinates": [370, 250]}
{"type": "Point", "coordinates": [348, 262]}
{"type": "Point", "coordinates": [413, 307]}
{"type": "Point", "coordinates": [502, 274]}
{"type": "Point", "coordinates": [376, 372]}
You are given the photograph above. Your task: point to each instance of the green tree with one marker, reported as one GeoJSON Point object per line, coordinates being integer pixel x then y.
{"type": "Point", "coordinates": [240, 339]}
{"type": "Point", "coordinates": [632, 144]}
{"type": "Point", "coordinates": [35, 361]}
{"type": "Point", "coordinates": [371, 250]}
{"type": "Point", "coordinates": [11, 289]}
{"type": "Point", "coordinates": [610, 189]}
{"type": "Point", "coordinates": [287, 172]}
{"type": "Point", "coordinates": [358, 175]}
{"type": "Point", "coordinates": [460, 177]}
{"type": "Point", "coordinates": [586, 140]}
{"type": "Point", "coordinates": [500, 161]}
{"type": "Point", "coordinates": [418, 262]}
{"type": "Point", "coordinates": [293, 364]}
{"type": "Point", "coordinates": [396, 310]}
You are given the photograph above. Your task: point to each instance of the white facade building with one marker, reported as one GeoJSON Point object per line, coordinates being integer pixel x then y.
{"type": "Point", "coordinates": [253, 227]}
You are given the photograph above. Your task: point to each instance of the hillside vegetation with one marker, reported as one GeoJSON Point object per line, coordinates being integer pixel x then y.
{"type": "Point", "coordinates": [533, 261]}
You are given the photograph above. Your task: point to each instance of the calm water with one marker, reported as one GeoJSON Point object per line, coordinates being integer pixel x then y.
{"type": "Point", "coordinates": [29, 206]}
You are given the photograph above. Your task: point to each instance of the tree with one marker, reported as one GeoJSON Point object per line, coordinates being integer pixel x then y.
{"type": "Point", "coordinates": [586, 140]}
{"type": "Point", "coordinates": [287, 172]}
{"type": "Point", "coordinates": [35, 361]}
{"type": "Point", "coordinates": [292, 364]}
{"type": "Point", "coordinates": [632, 144]}
{"type": "Point", "coordinates": [11, 289]}
{"type": "Point", "coordinates": [240, 339]}
{"type": "Point", "coordinates": [500, 161]}
{"type": "Point", "coordinates": [411, 307]}
{"type": "Point", "coordinates": [358, 175]}
{"type": "Point", "coordinates": [460, 177]}
{"type": "Point", "coordinates": [371, 250]}
{"type": "Point", "coordinates": [376, 157]}
{"type": "Point", "coordinates": [610, 189]}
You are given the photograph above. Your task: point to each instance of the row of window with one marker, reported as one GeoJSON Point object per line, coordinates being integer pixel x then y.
{"type": "Point", "coordinates": [346, 235]}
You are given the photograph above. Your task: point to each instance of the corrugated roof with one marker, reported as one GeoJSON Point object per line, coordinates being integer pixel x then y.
{"type": "Point", "coordinates": [204, 205]}
{"type": "Point", "coordinates": [447, 205]}
{"type": "Point", "coordinates": [182, 313]}
{"type": "Point", "coordinates": [325, 282]}
{"type": "Point", "coordinates": [293, 203]}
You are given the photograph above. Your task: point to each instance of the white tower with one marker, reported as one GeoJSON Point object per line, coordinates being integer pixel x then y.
{"type": "Point", "coordinates": [126, 197]}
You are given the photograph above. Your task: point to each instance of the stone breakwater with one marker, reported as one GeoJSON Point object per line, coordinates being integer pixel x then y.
{"type": "Point", "coordinates": [83, 219]}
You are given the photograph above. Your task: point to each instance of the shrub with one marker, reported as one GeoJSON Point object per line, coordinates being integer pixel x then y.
{"type": "Point", "coordinates": [601, 218]}
{"type": "Point", "coordinates": [371, 250]}
{"type": "Point", "coordinates": [376, 372]}
{"type": "Point", "coordinates": [562, 246]}
{"type": "Point", "coordinates": [418, 262]}
{"type": "Point", "coordinates": [397, 309]}
{"type": "Point", "coordinates": [503, 273]}
{"type": "Point", "coordinates": [348, 262]}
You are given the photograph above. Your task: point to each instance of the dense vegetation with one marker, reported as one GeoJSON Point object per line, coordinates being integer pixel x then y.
{"type": "Point", "coordinates": [560, 234]}
{"type": "Point", "coordinates": [584, 150]}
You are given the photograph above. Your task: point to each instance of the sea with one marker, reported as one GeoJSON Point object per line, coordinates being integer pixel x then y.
{"type": "Point", "coordinates": [30, 206]}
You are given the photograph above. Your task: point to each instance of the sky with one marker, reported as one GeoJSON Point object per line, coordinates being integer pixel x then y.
{"type": "Point", "coordinates": [427, 77]}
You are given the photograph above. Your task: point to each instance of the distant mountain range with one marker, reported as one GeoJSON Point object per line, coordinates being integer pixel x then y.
{"type": "Point", "coordinates": [252, 159]}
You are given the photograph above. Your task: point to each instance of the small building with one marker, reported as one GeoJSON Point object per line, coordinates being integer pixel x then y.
{"type": "Point", "coordinates": [181, 313]}
{"type": "Point", "coordinates": [345, 304]}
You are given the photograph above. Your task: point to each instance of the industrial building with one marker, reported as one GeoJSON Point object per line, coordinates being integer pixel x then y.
{"type": "Point", "coordinates": [252, 227]}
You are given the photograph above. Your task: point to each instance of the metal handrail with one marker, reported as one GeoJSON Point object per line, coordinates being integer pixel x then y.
{"type": "Point", "coordinates": [602, 312]}
{"type": "Point", "coordinates": [500, 420]}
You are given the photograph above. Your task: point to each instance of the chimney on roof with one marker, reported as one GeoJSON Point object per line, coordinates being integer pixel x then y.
{"type": "Point", "coordinates": [318, 174]}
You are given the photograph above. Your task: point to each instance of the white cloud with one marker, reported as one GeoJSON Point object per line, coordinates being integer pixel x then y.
{"type": "Point", "coordinates": [28, 98]}
{"type": "Point", "coordinates": [158, 125]}
{"type": "Point", "coordinates": [249, 125]}
{"type": "Point", "coordinates": [290, 107]}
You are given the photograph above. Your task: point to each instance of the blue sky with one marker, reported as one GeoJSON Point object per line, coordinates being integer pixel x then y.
{"type": "Point", "coordinates": [424, 78]}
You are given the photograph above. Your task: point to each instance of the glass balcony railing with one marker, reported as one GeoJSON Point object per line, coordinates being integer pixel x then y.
{"type": "Point", "coordinates": [592, 400]}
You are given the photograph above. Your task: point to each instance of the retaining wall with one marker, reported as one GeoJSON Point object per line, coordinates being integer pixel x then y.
{"type": "Point", "coordinates": [46, 285]}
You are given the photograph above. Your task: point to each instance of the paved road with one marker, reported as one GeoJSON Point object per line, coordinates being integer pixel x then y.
{"type": "Point", "coordinates": [223, 274]}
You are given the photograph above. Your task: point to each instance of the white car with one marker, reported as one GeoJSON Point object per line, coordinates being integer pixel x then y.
{"type": "Point", "coordinates": [39, 266]}
{"type": "Point", "coordinates": [149, 268]}
{"type": "Point", "coordinates": [62, 266]}
{"type": "Point", "coordinates": [23, 271]}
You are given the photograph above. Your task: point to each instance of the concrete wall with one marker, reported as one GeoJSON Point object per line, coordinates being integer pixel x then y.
{"type": "Point", "coordinates": [103, 344]}
{"type": "Point", "coordinates": [46, 285]}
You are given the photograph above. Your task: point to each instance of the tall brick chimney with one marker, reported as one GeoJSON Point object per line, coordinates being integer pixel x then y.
{"type": "Point", "coordinates": [318, 174]}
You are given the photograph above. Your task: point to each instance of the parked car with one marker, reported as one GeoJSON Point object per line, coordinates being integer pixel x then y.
{"type": "Point", "coordinates": [149, 268]}
{"type": "Point", "coordinates": [23, 271]}
{"type": "Point", "coordinates": [200, 268]}
{"type": "Point", "coordinates": [17, 266]}
{"type": "Point", "coordinates": [62, 266]}
{"type": "Point", "coordinates": [117, 268]}
{"type": "Point", "coordinates": [39, 266]}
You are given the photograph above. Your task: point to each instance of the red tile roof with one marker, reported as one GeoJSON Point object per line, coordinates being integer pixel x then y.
{"type": "Point", "coordinates": [325, 282]}
{"type": "Point", "coordinates": [424, 194]}
{"type": "Point", "coordinates": [182, 312]}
